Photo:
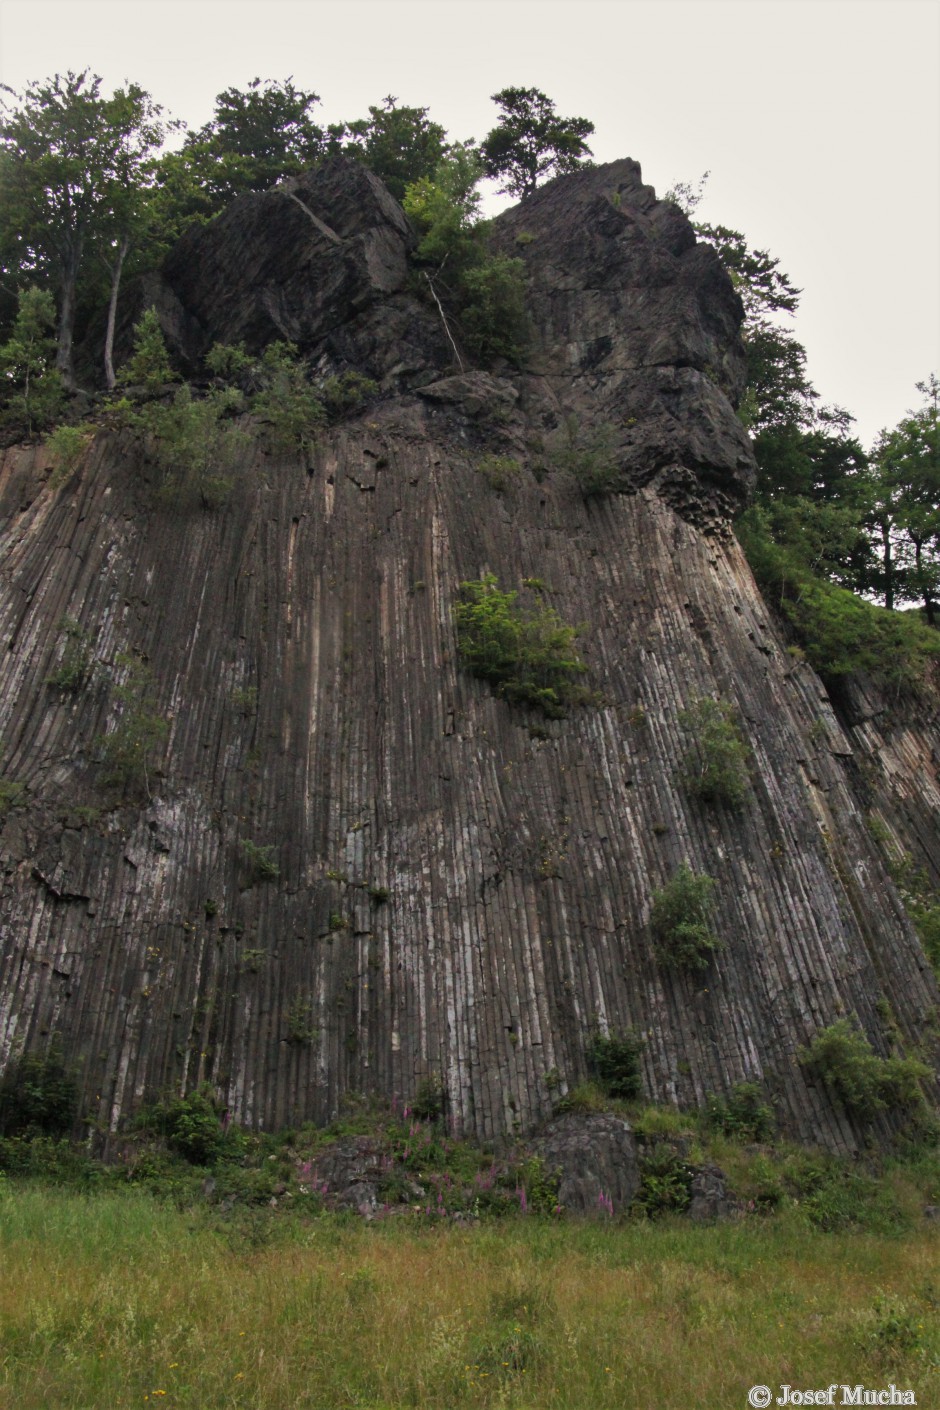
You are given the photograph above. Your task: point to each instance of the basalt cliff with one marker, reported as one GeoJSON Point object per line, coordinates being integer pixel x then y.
{"type": "Point", "coordinates": [452, 887]}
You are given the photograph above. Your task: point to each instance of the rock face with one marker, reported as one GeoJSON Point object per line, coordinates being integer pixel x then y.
{"type": "Point", "coordinates": [596, 1160]}
{"type": "Point", "coordinates": [294, 262]}
{"type": "Point", "coordinates": [456, 890]}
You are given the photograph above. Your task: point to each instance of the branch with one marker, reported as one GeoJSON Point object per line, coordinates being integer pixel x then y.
{"type": "Point", "coordinates": [440, 310]}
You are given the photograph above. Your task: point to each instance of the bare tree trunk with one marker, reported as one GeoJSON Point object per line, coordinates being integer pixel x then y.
{"type": "Point", "coordinates": [112, 311]}
{"type": "Point", "coordinates": [888, 567]}
{"type": "Point", "coordinates": [929, 604]}
{"type": "Point", "coordinates": [70, 263]}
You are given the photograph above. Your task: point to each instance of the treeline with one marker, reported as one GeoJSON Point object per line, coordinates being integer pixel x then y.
{"type": "Point", "coordinates": [833, 526]}
{"type": "Point", "coordinates": [90, 195]}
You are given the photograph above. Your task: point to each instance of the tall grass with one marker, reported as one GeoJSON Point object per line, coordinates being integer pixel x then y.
{"type": "Point", "coordinates": [115, 1301]}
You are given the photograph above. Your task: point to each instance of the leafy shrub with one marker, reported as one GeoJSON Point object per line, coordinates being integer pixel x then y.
{"type": "Point", "coordinates": [589, 454]}
{"type": "Point", "coordinates": [287, 401]}
{"type": "Point", "coordinates": [230, 362]}
{"type": "Point", "coordinates": [665, 1182]}
{"type": "Point", "coordinates": [614, 1061]}
{"type": "Point", "coordinates": [126, 752]}
{"type": "Point", "coordinates": [743, 1114]}
{"type": "Point", "coordinates": [149, 365]}
{"type": "Point", "coordinates": [67, 447]}
{"type": "Point", "coordinates": [260, 862]}
{"type": "Point", "coordinates": [921, 901]}
{"type": "Point", "coordinates": [839, 632]}
{"type": "Point", "coordinates": [680, 921]}
{"type": "Point", "coordinates": [195, 444]}
{"type": "Point", "coordinates": [347, 393]}
{"type": "Point", "coordinates": [32, 391]}
{"type": "Point", "coordinates": [485, 294]}
{"type": "Point", "coordinates": [428, 1103]}
{"type": "Point", "coordinates": [192, 1127]}
{"type": "Point", "coordinates": [864, 1083]}
{"type": "Point", "coordinates": [76, 659]}
{"type": "Point", "coordinates": [38, 1095]}
{"type": "Point", "coordinates": [528, 655]}
{"type": "Point", "coordinates": [832, 1196]}
{"type": "Point", "coordinates": [493, 314]}
{"type": "Point", "coordinates": [715, 768]}
{"type": "Point", "coordinates": [11, 793]}
{"type": "Point", "coordinates": [499, 471]}
{"type": "Point", "coordinates": [301, 1028]}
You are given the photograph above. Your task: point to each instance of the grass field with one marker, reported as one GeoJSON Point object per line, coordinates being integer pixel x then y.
{"type": "Point", "coordinates": [116, 1299]}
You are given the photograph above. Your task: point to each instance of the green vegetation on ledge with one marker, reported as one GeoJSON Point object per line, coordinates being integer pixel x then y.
{"type": "Point", "coordinates": [527, 654]}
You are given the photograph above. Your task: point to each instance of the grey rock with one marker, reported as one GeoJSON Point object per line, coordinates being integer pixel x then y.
{"type": "Point", "coordinates": [292, 262]}
{"type": "Point", "coordinates": [596, 1157]}
{"type": "Point", "coordinates": [710, 1199]}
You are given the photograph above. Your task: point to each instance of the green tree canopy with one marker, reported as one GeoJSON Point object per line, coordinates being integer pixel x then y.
{"type": "Point", "coordinates": [400, 144]}
{"type": "Point", "coordinates": [257, 136]}
{"type": "Point", "coordinates": [70, 162]}
{"type": "Point", "coordinates": [532, 142]}
{"type": "Point", "coordinates": [905, 504]}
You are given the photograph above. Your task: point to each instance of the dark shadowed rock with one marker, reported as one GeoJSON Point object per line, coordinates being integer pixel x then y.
{"type": "Point", "coordinates": [293, 262]}
{"type": "Point", "coordinates": [638, 330]}
{"type": "Point", "coordinates": [595, 1156]}
{"type": "Point", "coordinates": [709, 1196]}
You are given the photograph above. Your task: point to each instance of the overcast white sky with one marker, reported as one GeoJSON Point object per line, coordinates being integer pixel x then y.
{"type": "Point", "coordinates": [819, 120]}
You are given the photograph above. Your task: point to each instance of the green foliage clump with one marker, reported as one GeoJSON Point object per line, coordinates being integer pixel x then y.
{"type": "Point", "coordinates": [921, 901]}
{"type": "Point", "coordinates": [195, 444]}
{"type": "Point", "coordinates": [493, 315]}
{"type": "Point", "coordinates": [680, 921]}
{"type": "Point", "coordinates": [744, 1114]}
{"type": "Point", "coordinates": [287, 400]}
{"type": "Point", "coordinates": [428, 1102]}
{"type": "Point", "coordinates": [715, 768]}
{"type": "Point", "coordinates": [864, 1083]}
{"type": "Point", "coordinates": [126, 752]}
{"type": "Point", "coordinates": [614, 1061]}
{"type": "Point", "coordinates": [665, 1182]}
{"type": "Point", "coordinates": [31, 391]}
{"type": "Point", "coordinates": [192, 1127]}
{"type": "Point", "coordinates": [76, 659]}
{"type": "Point", "coordinates": [482, 293]}
{"type": "Point", "coordinates": [347, 393]}
{"type": "Point", "coordinates": [589, 454]}
{"type": "Point", "coordinates": [67, 447]}
{"type": "Point", "coordinates": [499, 471]}
{"type": "Point", "coordinates": [10, 794]}
{"type": "Point", "coordinates": [38, 1095]}
{"type": "Point", "coordinates": [528, 655]}
{"type": "Point", "coordinates": [260, 862]}
{"type": "Point", "coordinates": [149, 367]}
{"type": "Point", "coordinates": [831, 1195]}
{"type": "Point", "coordinates": [301, 1025]}
{"type": "Point", "coordinates": [840, 633]}
{"type": "Point", "coordinates": [229, 362]}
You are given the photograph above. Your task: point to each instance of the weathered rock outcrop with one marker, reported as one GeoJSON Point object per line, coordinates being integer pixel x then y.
{"type": "Point", "coordinates": [463, 890]}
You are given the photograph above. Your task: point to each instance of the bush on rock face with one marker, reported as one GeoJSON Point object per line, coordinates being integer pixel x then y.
{"type": "Point", "coordinates": [680, 921]}
{"type": "Point", "coordinates": [864, 1083]}
{"type": "Point", "coordinates": [527, 654]}
{"type": "Point", "coordinates": [715, 768]}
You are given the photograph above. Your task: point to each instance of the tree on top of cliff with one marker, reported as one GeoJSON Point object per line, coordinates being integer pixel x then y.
{"type": "Point", "coordinates": [67, 162]}
{"type": "Point", "coordinates": [400, 144]}
{"type": "Point", "coordinates": [257, 136]}
{"type": "Point", "coordinates": [532, 141]}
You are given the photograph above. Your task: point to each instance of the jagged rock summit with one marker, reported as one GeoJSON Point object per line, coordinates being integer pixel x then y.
{"type": "Point", "coordinates": [454, 890]}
